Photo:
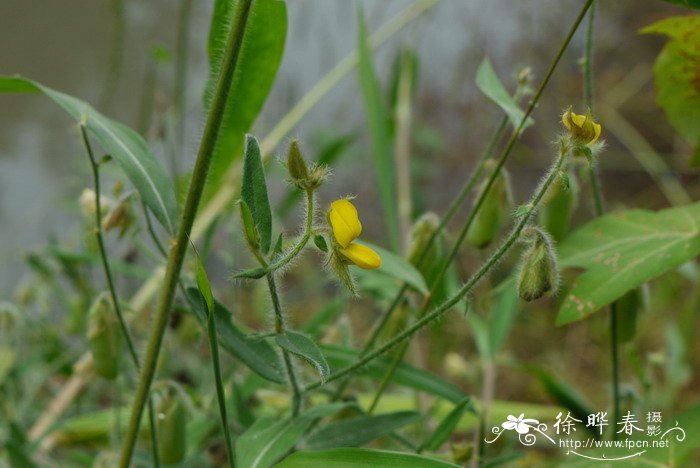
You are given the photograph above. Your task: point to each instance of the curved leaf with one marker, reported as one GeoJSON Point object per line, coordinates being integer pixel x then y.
{"type": "Point", "coordinates": [446, 427]}
{"type": "Point", "coordinates": [254, 192]}
{"type": "Point", "coordinates": [304, 347]}
{"type": "Point", "coordinates": [624, 250]}
{"type": "Point", "coordinates": [121, 142]}
{"type": "Point", "coordinates": [396, 267]}
{"type": "Point", "coordinates": [258, 62]}
{"type": "Point", "coordinates": [489, 84]}
{"type": "Point", "coordinates": [360, 458]}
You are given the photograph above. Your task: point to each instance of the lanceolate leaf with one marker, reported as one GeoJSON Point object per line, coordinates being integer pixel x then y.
{"type": "Point", "coordinates": [122, 143]}
{"type": "Point", "coordinates": [360, 458]}
{"type": "Point", "coordinates": [269, 439]}
{"type": "Point", "coordinates": [396, 267]}
{"type": "Point", "coordinates": [254, 192]}
{"type": "Point", "coordinates": [204, 286]}
{"type": "Point", "coordinates": [378, 123]}
{"type": "Point", "coordinates": [258, 62]}
{"type": "Point", "coordinates": [304, 347]}
{"type": "Point", "coordinates": [444, 430]}
{"type": "Point", "coordinates": [359, 430]}
{"type": "Point", "coordinates": [255, 352]}
{"type": "Point", "coordinates": [491, 86]}
{"type": "Point", "coordinates": [624, 250]}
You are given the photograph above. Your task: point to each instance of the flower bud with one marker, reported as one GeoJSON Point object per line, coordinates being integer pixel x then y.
{"type": "Point", "coordinates": [421, 233]}
{"type": "Point", "coordinates": [558, 205]}
{"type": "Point", "coordinates": [538, 269]}
{"type": "Point", "coordinates": [296, 165]}
{"type": "Point", "coordinates": [103, 337]}
{"type": "Point", "coordinates": [172, 429]}
{"type": "Point", "coordinates": [582, 128]}
{"type": "Point", "coordinates": [493, 212]}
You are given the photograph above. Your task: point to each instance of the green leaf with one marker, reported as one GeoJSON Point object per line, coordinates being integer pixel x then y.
{"type": "Point", "coordinates": [304, 347]}
{"type": "Point", "coordinates": [253, 273]}
{"type": "Point", "coordinates": [269, 439]}
{"type": "Point", "coordinates": [258, 63]}
{"type": "Point", "coordinates": [502, 315]}
{"type": "Point", "coordinates": [444, 430]}
{"type": "Point", "coordinates": [489, 84]}
{"type": "Point", "coordinates": [254, 352]}
{"type": "Point", "coordinates": [254, 192]}
{"type": "Point", "coordinates": [562, 393]}
{"type": "Point", "coordinates": [316, 324]}
{"type": "Point", "coordinates": [405, 375]}
{"type": "Point", "coordinates": [396, 267]}
{"type": "Point", "coordinates": [359, 430]}
{"type": "Point", "coordinates": [204, 286]}
{"type": "Point", "coordinates": [675, 73]}
{"type": "Point", "coordinates": [360, 458]}
{"type": "Point", "coordinates": [378, 124]}
{"type": "Point", "coordinates": [621, 251]}
{"type": "Point", "coordinates": [122, 143]}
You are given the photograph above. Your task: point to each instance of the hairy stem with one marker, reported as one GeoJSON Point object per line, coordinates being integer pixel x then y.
{"type": "Point", "coordinates": [178, 249]}
{"type": "Point", "coordinates": [112, 289]}
{"type": "Point", "coordinates": [303, 240]}
{"type": "Point", "coordinates": [464, 290]}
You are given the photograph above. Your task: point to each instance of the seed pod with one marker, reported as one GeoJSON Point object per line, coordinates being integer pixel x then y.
{"type": "Point", "coordinates": [172, 429]}
{"type": "Point", "coordinates": [103, 337]}
{"type": "Point", "coordinates": [627, 308]}
{"type": "Point", "coordinates": [493, 212]}
{"type": "Point", "coordinates": [558, 205]}
{"type": "Point", "coordinates": [538, 270]}
{"type": "Point", "coordinates": [298, 170]}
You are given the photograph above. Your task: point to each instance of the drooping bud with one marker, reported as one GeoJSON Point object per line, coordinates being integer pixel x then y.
{"type": "Point", "coordinates": [298, 170]}
{"type": "Point", "coordinates": [538, 269]}
{"type": "Point", "coordinates": [582, 128]}
{"type": "Point", "coordinates": [103, 336]}
{"type": "Point", "coordinates": [493, 212]}
{"type": "Point", "coordinates": [251, 234]}
{"type": "Point", "coordinates": [172, 428]}
{"type": "Point", "coordinates": [558, 204]}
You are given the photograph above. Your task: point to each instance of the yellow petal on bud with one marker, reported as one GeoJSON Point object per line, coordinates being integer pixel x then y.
{"type": "Point", "coordinates": [362, 256]}
{"type": "Point", "coordinates": [582, 127]}
{"type": "Point", "coordinates": [345, 223]}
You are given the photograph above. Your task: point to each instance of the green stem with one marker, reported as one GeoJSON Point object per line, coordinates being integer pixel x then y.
{"type": "Point", "coordinates": [178, 249]}
{"type": "Point", "coordinates": [463, 291]}
{"type": "Point", "coordinates": [214, 346]}
{"type": "Point", "coordinates": [279, 330]}
{"type": "Point", "coordinates": [599, 210]}
{"type": "Point", "coordinates": [110, 283]}
{"type": "Point", "coordinates": [308, 230]}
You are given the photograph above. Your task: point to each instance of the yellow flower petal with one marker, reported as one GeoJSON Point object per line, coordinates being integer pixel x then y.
{"type": "Point", "coordinates": [582, 127]}
{"type": "Point", "coordinates": [598, 129]}
{"type": "Point", "coordinates": [362, 256]}
{"type": "Point", "coordinates": [344, 221]}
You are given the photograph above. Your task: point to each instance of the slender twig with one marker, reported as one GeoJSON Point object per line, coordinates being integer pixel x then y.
{"type": "Point", "coordinates": [463, 291]}
{"type": "Point", "coordinates": [303, 240]}
{"type": "Point", "coordinates": [110, 283]}
{"type": "Point", "coordinates": [179, 246]}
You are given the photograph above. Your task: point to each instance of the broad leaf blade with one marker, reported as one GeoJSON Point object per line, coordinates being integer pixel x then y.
{"type": "Point", "coordinates": [359, 430]}
{"type": "Point", "coordinates": [269, 439]}
{"type": "Point", "coordinates": [360, 458]}
{"type": "Point", "coordinates": [122, 143]}
{"type": "Point", "coordinates": [304, 347]}
{"type": "Point", "coordinates": [624, 250]}
{"type": "Point", "coordinates": [254, 192]}
{"type": "Point", "coordinates": [258, 63]}
{"type": "Point", "coordinates": [489, 84]}
{"type": "Point", "coordinates": [378, 123]}
{"type": "Point", "coordinates": [254, 352]}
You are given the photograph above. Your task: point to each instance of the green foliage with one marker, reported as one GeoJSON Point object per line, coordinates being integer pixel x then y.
{"type": "Point", "coordinates": [258, 62]}
{"type": "Point", "coordinates": [489, 84]}
{"type": "Point", "coordinates": [304, 347]}
{"type": "Point", "coordinates": [397, 268]}
{"type": "Point", "coordinates": [502, 315]}
{"type": "Point", "coordinates": [360, 458]}
{"type": "Point", "coordinates": [446, 427]}
{"type": "Point", "coordinates": [624, 250]}
{"type": "Point", "coordinates": [359, 430]}
{"type": "Point", "coordinates": [254, 192]}
{"type": "Point", "coordinates": [675, 71]}
{"type": "Point", "coordinates": [254, 352]}
{"type": "Point", "coordinates": [378, 126]}
{"type": "Point", "coordinates": [122, 143]}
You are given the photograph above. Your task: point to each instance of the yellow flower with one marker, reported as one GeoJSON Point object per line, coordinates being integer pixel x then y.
{"type": "Point", "coordinates": [346, 227]}
{"type": "Point", "coordinates": [582, 127]}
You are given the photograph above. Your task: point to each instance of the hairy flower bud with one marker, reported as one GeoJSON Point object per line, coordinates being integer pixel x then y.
{"type": "Point", "coordinates": [583, 128]}
{"type": "Point", "coordinates": [296, 165]}
{"type": "Point", "coordinates": [103, 336]}
{"type": "Point", "coordinates": [493, 212]}
{"type": "Point", "coordinates": [538, 269]}
{"type": "Point", "coordinates": [558, 205]}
